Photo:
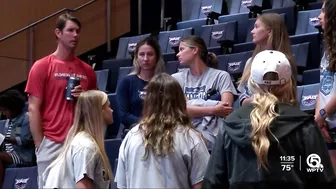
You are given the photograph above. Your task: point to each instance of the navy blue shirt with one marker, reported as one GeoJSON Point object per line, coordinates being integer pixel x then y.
{"type": "Point", "coordinates": [130, 95]}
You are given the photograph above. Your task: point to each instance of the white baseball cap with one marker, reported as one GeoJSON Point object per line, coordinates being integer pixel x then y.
{"type": "Point", "coordinates": [269, 61]}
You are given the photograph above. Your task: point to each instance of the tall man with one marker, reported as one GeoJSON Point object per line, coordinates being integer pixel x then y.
{"type": "Point", "coordinates": [50, 114]}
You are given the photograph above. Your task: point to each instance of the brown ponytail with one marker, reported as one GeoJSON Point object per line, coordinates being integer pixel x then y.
{"type": "Point", "coordinates": [212, 61]}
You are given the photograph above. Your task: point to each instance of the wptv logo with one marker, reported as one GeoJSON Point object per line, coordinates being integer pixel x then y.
{"type": "Point", "coordinates": [314, 163]}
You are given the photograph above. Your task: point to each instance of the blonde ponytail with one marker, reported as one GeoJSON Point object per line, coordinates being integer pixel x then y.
{"type": "Point", "coordinates": [265, 101]}
{"type": "Point", "coordinates": [262, 116]}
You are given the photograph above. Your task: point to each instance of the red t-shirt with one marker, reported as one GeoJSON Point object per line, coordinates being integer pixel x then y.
{"type": "Point", "coordinates": [47, 81]}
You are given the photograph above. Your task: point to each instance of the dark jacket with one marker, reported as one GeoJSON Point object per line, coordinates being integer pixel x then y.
{"type": "Point", "coordinates": [233, 163]}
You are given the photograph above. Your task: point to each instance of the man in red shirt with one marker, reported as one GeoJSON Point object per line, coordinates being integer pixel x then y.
{"type": "Point", "coordinates": [50, 114]}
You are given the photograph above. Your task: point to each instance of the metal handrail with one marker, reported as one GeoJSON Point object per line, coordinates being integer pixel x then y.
{"type": "Point", "coordinates": [9, 57]}
{"type": "Point", "coordinates": [45, 18]}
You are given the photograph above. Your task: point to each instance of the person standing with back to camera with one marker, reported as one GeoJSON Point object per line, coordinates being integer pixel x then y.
{"type": "Point", "coordinates": [50, 114]}
{"type": "Point", "coordinates": [269, 143]}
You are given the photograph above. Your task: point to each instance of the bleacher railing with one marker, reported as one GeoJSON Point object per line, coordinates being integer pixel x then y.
{"type": "Point", "coordinates": [31, 26]}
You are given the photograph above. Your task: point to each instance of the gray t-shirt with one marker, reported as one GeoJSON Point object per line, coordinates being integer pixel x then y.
{"type": "Point", "coordinates": [180, 169]}
{"type": "Point", "coordinates": [197, 87]}
{"type": "Point", "coordinates": [82, 159]}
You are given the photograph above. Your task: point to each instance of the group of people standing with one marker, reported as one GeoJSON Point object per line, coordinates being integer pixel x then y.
{"type": "Point", "coordinates": [176, 121]}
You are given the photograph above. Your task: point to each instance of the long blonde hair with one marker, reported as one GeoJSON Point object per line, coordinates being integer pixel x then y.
{"type": "Point", "coordinates": [164, 110]}
{"type": "Point", "coordinates": [265, 101]}
{"type": "Point", "coordinates": [88, 119]}
{"type": "Point", "coordinates": [279, 40]}
{"type": "Point", "coordinates": [159, 67]}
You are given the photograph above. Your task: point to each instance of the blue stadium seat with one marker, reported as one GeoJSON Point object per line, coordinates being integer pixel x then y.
{"type": "Point", "coordinates": [314, 52]}
{"type": "Point", "coordinates": [127, 45]}
{"type": "Point", "coordinates": [196, 9]}
{"type": "Point", "coordinates": [308, 98]}
{"type": "Point", "coordinates": [195, 13]}
{"type": "Point", "coordinates": [195, 24]}
{"type": "Point", "coordinates": [316, 5]}
{"type": "Point", "coordinates": [307, 21]}
{"type": "Point", "coordinates": [242, 23]}
{"type": "Point", "coordinates": [113, 129]}
{"type": "Point", "coordinates": [234, 64]}
{"type": "Point", "coordinates": [172, 67]}
{"type": "Point", "coordinates": [102, 76]}
{"type": "Point", "coordinates": [311, 76]}
{"type": "Point", "coordinates": [282, 3]}
{"type": "Point", "coordinates": [300, 53]}
{"type": "Point", "coordinates": [219, 37]}
{"type": "Point", "coordinates": [299, 91]}
{"type": "Point", "coordinates": [113, 66]}
{"type": "Point", "coordinates": [246, 6]}
{"type": "Point", "coordinates": [112, 150]}
{"type": "Point", "coordinates": [123, 72]}
{"type": "Point", "coordinates": [169, 41]}
{"type": "Point", "coordinates": [25, 177]}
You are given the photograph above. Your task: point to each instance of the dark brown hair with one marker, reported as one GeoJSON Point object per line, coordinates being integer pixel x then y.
{"type": "Point", "coordinates": [61, 21]}
{"type": "Point", "coordinates": [330, 33]}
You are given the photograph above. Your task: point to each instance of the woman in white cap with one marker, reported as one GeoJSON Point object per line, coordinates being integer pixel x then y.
{"type": "Point", "coordinates": [269, 143]}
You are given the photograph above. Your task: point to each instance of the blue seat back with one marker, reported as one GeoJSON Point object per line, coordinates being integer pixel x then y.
{"type": "Point", "coordinates": [123, 72]}
{"type": "Point", "coordinates": [282, 3]}
{"type": "Point", "coordinates": [242, 20]}
{"type": "Point", "coordinates": [195, 24]}
{"type": "Point", "coordinates": [307, 20]}
{"type": "Point", "coordinates": [308, 98]}
{"type": "Point", "coordinates": [234, 64]}
{"type": "Point", "coordinates": [314, 52]}
{"type": "Point", "coordinates": [113, 66]}
{"type": "Point", "coordinates": [170, 39]}
{"type": "Point", "coordinates": [299, 91]}
{"type": "Point", "coordinates": [311, 76]}
{"type": "Point", "coordinates": [112, 130]}
{"type": "Point", "coordinates": [24, 177]}
{"type": "Point", "coordinates": [171, 67]}
{"type": "Point", "coordinates": [195, 9]}
{"type": "Point", "coordinates": [112, 150]}
{"type": "Point", "coordinates": [102, 76]}
{"type": "Point", "coordinates": [190, 9]}
{"type": "Point", "coordinates": [128, 44]}
{"type": "Point", "coordinates": [300, 53]}
{"type": "Point", "coordinates": [213, 34]}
